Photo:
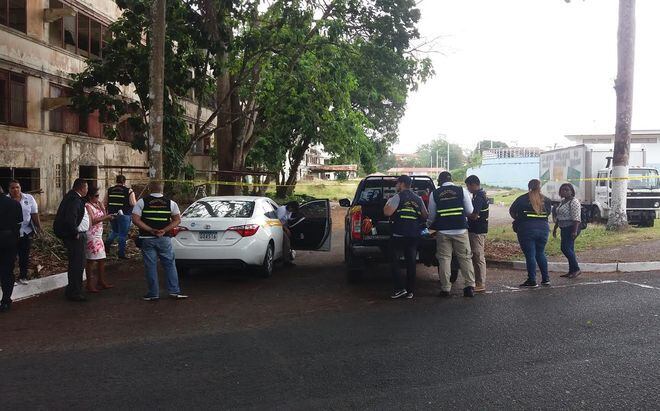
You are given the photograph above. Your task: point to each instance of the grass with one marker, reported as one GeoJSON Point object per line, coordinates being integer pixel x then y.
{"type": "Point", "coordinates": [507, 197]}
{"type": "Point", "coordinates": [594, 237]}
{"type": "Point", "coordinates": [333, 190]}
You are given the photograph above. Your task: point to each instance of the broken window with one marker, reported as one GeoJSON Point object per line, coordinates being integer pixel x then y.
{"type": "Point", "coordinates": [13, 100]}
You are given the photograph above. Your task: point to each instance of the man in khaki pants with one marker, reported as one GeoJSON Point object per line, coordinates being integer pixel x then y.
{"type": "Point", "coordinates": [477, 229]}
{"type": "Point", "coordinates": [449, 207]}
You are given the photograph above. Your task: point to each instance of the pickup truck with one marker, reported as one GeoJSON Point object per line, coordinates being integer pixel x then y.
{"type": "Point", "coordinates": [368, 231]}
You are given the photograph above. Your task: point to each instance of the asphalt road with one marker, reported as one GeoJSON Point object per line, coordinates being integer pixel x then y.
{"type": "Point", "coordinates": [305, 340]}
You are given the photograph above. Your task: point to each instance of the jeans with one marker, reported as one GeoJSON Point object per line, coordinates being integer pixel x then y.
{"type": "Point", "coordinates": [568, 248]}
{"type": "Point", "coordinates": [532, 243]}
{"type": "Point", "coordinates": [24, 245]}
{"type": "Point", "coordinates": [406, 246]}
{"type": "Point", "coordinates": [154, 249]}
{"type": "Point", "coordinates": [120, 226]}
{"type": "Point", "coordinates": [7, 261]}
{"type": "Point", "coordinates": [75, 250]}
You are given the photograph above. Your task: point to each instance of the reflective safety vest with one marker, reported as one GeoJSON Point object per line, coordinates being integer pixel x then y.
{"type": "Point", "coordinates": [529, 214]}
{"type": "Point", "coordinates": [157, 213]}
{"type": "Point", "coordinates": [480, 226]}
{"type": "Point", "coordinates": [450, 211]}
{"type": "Point", "coordinates": [118, 199]}
{"type": "Point", "coordinates": [407, 219]}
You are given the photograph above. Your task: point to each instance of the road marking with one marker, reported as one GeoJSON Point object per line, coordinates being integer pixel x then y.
{"type": "Point", "coordinates": [510, 289]}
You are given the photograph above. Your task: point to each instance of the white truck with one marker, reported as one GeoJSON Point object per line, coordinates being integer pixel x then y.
{"type": "Point", "coordinates": [589, 169]}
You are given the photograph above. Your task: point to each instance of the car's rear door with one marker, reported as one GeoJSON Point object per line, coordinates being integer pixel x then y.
{"type": "Point", "coordinates": [312, 227]}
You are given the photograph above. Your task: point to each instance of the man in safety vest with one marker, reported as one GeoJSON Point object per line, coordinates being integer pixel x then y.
{"type": "Point", "coordinates": [477, 230]}
{"type": "Point", "coordinates": [408, 213]}
{"type": "Point", "coordinates": [120, 202]}
{"type": "Point", "coordinates": [449, 207]}
{"type": "Point", "coordinates": [156, 215]}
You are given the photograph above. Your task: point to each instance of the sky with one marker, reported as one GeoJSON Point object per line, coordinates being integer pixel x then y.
{"type": "Point", "coordinates": [528, 72]}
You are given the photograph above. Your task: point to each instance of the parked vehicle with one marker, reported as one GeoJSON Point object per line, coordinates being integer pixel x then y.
{"type": "Point", "coordinates": [368, 231]}
{"type": "Point", "coordinates": [589, 169]}
{"type": "Point", "coordinates": [239, 232]}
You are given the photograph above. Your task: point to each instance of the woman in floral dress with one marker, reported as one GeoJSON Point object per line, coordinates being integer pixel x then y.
{"type": "Point", "coordinates": [95, 249]}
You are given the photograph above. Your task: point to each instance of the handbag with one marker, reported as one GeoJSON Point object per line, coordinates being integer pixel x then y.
{"type": "Point", "coordinates": [583, 220]}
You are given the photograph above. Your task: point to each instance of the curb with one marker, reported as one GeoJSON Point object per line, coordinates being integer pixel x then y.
{"type": "Point", "coordinates": [634, 267]}
{"type": "Point", "coordinates": [40, 286]}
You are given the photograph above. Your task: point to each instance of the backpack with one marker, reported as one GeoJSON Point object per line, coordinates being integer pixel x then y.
{"type": "Point", "coordinates": [584, 216]}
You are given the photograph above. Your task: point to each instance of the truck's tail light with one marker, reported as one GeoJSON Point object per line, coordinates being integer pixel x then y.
{"type": "Point", "coordinates": [247, 230]}
{"type": "Point", "coordinates": [356, 223]}
{"type": "Point", "coordinates": [177, 230]}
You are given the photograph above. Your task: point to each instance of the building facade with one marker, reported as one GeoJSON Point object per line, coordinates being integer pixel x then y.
{"type": "Point", "coordinates": [508, 167]}
{"type": "Point", "coordinates": [43, 143]}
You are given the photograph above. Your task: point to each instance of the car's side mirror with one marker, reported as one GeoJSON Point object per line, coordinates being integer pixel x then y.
{"type": "Point", "coordinates": [345, 202]}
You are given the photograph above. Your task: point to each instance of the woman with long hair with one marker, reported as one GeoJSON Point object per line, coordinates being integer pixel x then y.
{"type": "Point", "coordinates": [530, 214]}
{"type": "Point", "coordinates": [95, 249]}
{"type": "Point", "coordinates": [568, 216]}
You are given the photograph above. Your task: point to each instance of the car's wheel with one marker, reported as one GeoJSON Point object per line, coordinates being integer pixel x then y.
{"type": "Point", "coordinates": [266, 268]}
{"type": "Point", "coordinates": [353, 264]}
{"type": "Point", "coordinates": [182, 270]}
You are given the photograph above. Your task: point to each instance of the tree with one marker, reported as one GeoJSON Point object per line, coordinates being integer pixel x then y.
{"type": "Point", "coordinates": [624, 100]}
{"type": "Point", "coordinates": [156, 89]}
{"type": "Point", "coordinates": [435, 153]}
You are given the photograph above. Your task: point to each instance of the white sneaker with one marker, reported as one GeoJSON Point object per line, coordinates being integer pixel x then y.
{"type": "Point", "coordinates": [22, 281]}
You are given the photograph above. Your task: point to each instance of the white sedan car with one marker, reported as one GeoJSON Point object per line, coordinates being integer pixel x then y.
{"type": "Point", "coordinates": [240, 231]}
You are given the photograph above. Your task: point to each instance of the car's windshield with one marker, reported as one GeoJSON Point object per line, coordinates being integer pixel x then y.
{"type": "Point", "coordinates": [220, 208]}
{"type": "Point", "coordinates": [643, 179]}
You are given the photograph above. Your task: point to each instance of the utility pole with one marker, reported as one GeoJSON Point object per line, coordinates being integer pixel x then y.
{"type": "Point", "coordinates": [447, 154]}
{"type": "Point", "coordinates": [156, 90]}
{"type": "Point", "coordinates": [437, 158]}
{"type": "Point", "coordinates": [618, 219]}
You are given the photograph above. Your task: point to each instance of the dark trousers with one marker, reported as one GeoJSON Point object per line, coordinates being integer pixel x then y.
{"type": "Point", "coordinates": [7, 261]}
{"type": "Point", "coordinates": [406, 246]}
{"type": "Point", "coordinates": [75, 249]}
{"type": "Point", "coordinates": [568, 248]}
{"type": "Point", "coordinates": [24, 245]}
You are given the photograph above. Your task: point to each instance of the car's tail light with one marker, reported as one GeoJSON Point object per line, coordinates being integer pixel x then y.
{"type": "Point", "coordinates": [356, 223]}
{"type": "Point", "coordinates": [247, 230]}
{"type": "Point", "coordinates": [177, 230]}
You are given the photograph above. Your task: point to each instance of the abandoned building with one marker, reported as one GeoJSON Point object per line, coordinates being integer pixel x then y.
{"type": "Point", "coordinates": [43, 143]}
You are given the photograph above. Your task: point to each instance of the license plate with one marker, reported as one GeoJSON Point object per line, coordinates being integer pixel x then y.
{"type": "Point", "coordinates": [208, 236]}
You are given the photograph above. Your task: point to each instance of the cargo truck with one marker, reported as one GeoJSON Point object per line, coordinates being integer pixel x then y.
{"type": "Point", "coordinates": [589, 169]}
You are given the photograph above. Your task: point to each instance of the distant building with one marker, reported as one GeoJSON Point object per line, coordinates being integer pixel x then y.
{"type": "Point", "coordinates": [648, 140]}
{"type": "Point", "coordinates": [416, 171]}
{"type": "Point", "coordinates": [333, 171]}
{"type": "Point", "coordinates": [508, 167]}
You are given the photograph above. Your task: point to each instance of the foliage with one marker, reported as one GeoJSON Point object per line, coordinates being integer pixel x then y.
{"type": "Point", "coordinates": [106, 84]}
{"type": "Point", "coordinates": [436, 152]}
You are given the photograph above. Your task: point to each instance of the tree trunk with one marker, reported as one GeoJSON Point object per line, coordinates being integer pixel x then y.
{"type": "Point", "coordinates": [157, 89]}
{"type": "Point", "coordinates": [624, 101]}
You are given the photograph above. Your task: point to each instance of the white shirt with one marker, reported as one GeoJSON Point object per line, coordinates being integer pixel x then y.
{"type": "Point", "coordinates": [283, 214]}
{"type": "Point", "coordinates": [139, 206]}
{"type": "Point", "coordinates": [84, 224]}
{"type": "Point", "coordinates": [467, 210]}
{"type": "Point", "coordinates": [29, 206]}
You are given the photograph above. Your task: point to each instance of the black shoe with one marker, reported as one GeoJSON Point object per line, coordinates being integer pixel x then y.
{"type": "Point", "coordinates": [178, 296]}
{"type": "Point", "coordinates": [398, 294]}
{"type": "Point", "coordinates": [444, 294]}
{"type": "Point", "coordinates": [574, 274]}
{"type": "Point", "coordinates": [468, 292]}
{"type": "Point", "coordinates": [150, 298]}
{"type": "Point", "coordinates": [528, 284]}
{"type": "Point", "coordinates": [76, 298]}
{"type": "Point", "coordinates": [545, 283]}
{"type": "Point", "coordinates": [4, 307]}
{"type": "Point", "coordinates": [409, 296]}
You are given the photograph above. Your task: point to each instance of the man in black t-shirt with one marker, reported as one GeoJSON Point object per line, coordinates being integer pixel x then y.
{"type": "Point", "coordinates": [477, 230]}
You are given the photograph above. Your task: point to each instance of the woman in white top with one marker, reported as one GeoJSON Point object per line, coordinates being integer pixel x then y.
{"type": "Point", "coordinates": [567, 218]}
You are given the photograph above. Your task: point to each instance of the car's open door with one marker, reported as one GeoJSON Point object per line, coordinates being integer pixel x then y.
{"type": "Point", "coordinates": [312, 227]}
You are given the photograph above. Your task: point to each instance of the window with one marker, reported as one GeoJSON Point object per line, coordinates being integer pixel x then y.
{"type": "Point", "coordinates": [78, 34]}
{"type": "Point", "coordinates": [13, 90]}
{"type": "Point", "coordinates": [66, 120]}
{"type": "Point", "coordinates": [220, 208]}
{"type": "Point", "coordinates": [13, 14]}
{"type": "Point", "coordinates": [29, 178]}
{"type": "Point", "coordinates": [58, 175]}
{"type": "Point", "coordinates": [602, 179]}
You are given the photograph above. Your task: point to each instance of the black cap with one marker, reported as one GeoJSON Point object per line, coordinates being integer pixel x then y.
{"type": "Point", "coordinates": [405, 180]}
